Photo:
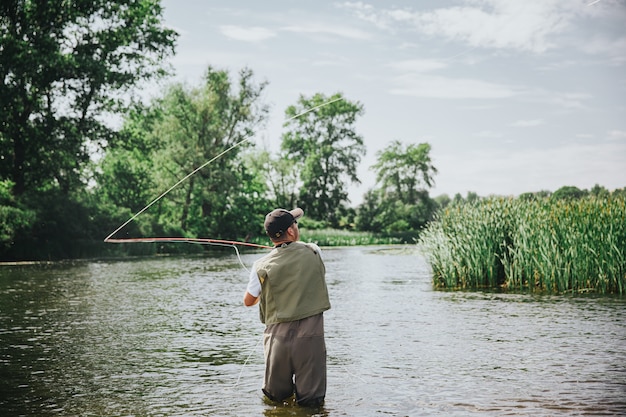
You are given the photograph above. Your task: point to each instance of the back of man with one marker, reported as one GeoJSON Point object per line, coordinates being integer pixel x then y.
{"type": "Point", "coordinates": [293, 284]}
{"type": "Point", "coordinates": [289, 284]}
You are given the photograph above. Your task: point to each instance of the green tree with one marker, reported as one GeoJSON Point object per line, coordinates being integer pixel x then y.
{"type": "Point", "coordinates": [619, 192]}
{"type": "Point", "coordinates": [13, 219]}
{"type": "Point", "coordinates": [125, 173]}
{"type": "Point", "coordinates": [569, 192]}
{"type": "Point", "coordinates": [67, 69]}
{"type": "Point", "coordinates": [472, 197]}
{"type": "Point", "coordinates": [326, 149]}
{"type": "Point", "coordinates": [383, 213]}
{"type": "Point", "coordinates": [539, 195]}
{"type": "Point", "coordinates": [369, 214]}
{"type": "Point", "coordinates": [401, 203]}
{"type": "Point", "coordinates": [64, 66]}
{"type": "Point", "coordinates": [457, 199]}
{"type": "Point", "coordinates": [183, 131]}
{"type": "Point", "coordinates": [405, 171]}
{"type": "Point", "coordinates": [280, 176]}
{"type": "Point", "coordinates": [443, 201]}
{"type": "Point", "coordinates": [599, 191]}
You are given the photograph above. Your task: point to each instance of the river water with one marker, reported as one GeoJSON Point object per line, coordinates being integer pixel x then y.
{"type": "Point", "coordinates": [169, 336]}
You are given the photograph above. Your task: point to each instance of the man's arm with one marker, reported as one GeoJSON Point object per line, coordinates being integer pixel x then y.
{"type": "Point", "coordinates": [249, 299]}
{"type": "Point", "coordinates": [253, 291]}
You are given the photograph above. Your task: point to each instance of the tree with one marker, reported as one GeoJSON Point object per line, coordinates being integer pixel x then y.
{"type": "Point", "coordinates": [383, 213]}
{"type": "Point", "coordinates": [405, 171]}
{"type": "Point", "coordinates": [327, 150]}
{"type": "Point", "coordinates": [619, 192]}
{"type": "Point", "coordinates": [599, 191]}
{"type": "Point", "coordinates": [539, 195]}
{"type": "Point", "coordinates": [125, 173]}
{"type": "Point", "coordinates": [182, 131]}
{"type": "Point", "coordinates": [64, 65]}
{"type": "Point", "coordinates": [371, 216]}
{"type": "Point", "coordinates": [401, 203]}
{"type": "Point", "coordinates": [569, 192]}
{"type": "Point", "coordinates": [13, 219]}
{"type": "Point", "coordinates": [280, 176]}
{"type": "Point", "coordinates": [472, 197]}
{"type": "Point", "coordinates": [442, 201]}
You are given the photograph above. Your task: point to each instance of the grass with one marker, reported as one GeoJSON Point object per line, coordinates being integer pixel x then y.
{"type": "Point", "coordinates": [336, 237]}
{"type": "Point", "coordinates": [332, 237]}
{"type": "Point", "coordinates": [538, 245]}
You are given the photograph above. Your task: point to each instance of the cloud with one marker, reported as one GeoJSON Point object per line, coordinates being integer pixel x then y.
{"type": "Point", "coordinates": [326, 29]}
{"type": "Point", "coordinates": [564, 101]}
{"type": "Point", "coordinates": [501, 172]}
{"type": "Point", "coordinates": [527, 123]}
{"type": "Point", "coordinates": [259, 34]}
{"type": "Point", "coordinates": [617, 135]}
{"type": "Point", "coordinates": [427, 86]}
{"type": "Point", "coordinates": [366, 13]}
{"type": "Point", "coordinates": [247, 34]}
{"type": "Point", "coordinates": [614, 49]}
{"type": "Point", "coordinates": [488, 134]}
{"type": "Point", "coordinates": [530, 25]}
{"type": "Point", "coordinates": [418, 65]}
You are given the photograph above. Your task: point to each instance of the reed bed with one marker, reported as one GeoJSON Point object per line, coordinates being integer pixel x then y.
{"type": "Point", "coordinates": [538, 245]}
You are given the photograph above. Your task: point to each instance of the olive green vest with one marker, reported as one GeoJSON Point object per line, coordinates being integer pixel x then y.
{"type": "Point", "coordinates": [293, 284]}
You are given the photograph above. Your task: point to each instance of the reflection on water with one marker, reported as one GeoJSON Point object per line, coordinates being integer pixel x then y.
{"type": "Point", "coordinates": [170, 337]}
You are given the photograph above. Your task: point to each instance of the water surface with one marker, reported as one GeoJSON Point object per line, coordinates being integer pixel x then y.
{"type": "Point", "coordinates": [170, 337]}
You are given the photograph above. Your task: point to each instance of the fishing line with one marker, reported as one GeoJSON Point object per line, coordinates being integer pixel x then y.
{"type": "Point", "coordinates": [172, 187]}
{"type": "Point", "coordinates": [109, 238]}
{"type": "Point", "coordinates": [246, 361]}
{"type": "Point", "coordinates": [203, 241]}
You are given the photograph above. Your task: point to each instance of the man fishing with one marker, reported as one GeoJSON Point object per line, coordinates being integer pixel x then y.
{"type": "Point", "coordinates": [290, 286]}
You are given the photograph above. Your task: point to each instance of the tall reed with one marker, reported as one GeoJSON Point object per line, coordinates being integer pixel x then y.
{"type": "Point", "coordinates": [537, 245]}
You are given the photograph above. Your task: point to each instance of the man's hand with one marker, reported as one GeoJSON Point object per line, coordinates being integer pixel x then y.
{"type": "Point", "coordinates": [249, 299]}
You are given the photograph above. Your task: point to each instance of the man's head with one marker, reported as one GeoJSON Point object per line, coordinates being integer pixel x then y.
{"type": "Point", "coordinates": [281, 224]}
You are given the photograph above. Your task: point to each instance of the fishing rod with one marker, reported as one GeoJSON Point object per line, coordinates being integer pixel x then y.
{"type": "Point", "coordinates": [205, 241]}
{"type": "Point", "coordinates": [200, 241]}
{"type": "Point", "coordinates": [188, 240]}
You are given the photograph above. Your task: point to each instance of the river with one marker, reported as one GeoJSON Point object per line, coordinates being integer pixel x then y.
{"type": "Point", "coordinates": [169, 336]}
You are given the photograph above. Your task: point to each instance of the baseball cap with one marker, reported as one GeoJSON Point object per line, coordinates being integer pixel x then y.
{"type": "Point", "coordinates": [279, 220]}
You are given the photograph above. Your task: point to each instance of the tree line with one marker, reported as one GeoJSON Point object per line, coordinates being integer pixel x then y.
{"type": "Point", "coordinates": [68, 178]}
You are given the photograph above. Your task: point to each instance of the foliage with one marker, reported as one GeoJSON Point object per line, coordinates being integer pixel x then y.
{"type": "Point", "coordinates": [542, 245]}
{"type": "Point", "coordinates": [401, 203]}
{"type": "Point", "coordinates": [64, 66]}
{"type": "Point", "coordinates": [334, 237]}
{"type": "Point", "coordinates": [568, 193]}
{"type": "Point", "coordinates": [405, 171]}
{"type": "Point", "coordinates": [536, 195]}
{"type": "Point", "coordinates": [442, 201]}
{"type": "Point", "coordinates": [371, 215]}
{"type": "Point", "coordinates": [280, 176]}
{"type": "Point", "coordinates": [13, 219]}
{"type": "Point", "coordinates": [202, 130]}
{"type": "Point", "coordinates": [124, 174]}
{"type": "Point", "coordinates": [326, 152]}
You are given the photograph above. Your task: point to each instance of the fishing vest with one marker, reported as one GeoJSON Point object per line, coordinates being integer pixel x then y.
{"type": "Point", "coordinates": [293, 284]}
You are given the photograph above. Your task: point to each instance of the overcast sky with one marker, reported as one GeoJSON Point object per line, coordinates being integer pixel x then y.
{"type": "Point", "coordinates": [513, 95]}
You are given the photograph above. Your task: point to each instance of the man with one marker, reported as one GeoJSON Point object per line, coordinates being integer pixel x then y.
{"type": "Point", "coordinates": [290, 286]}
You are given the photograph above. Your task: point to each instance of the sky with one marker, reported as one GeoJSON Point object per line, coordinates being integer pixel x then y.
{"type": "Point", "coordinates": [513, 96]}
